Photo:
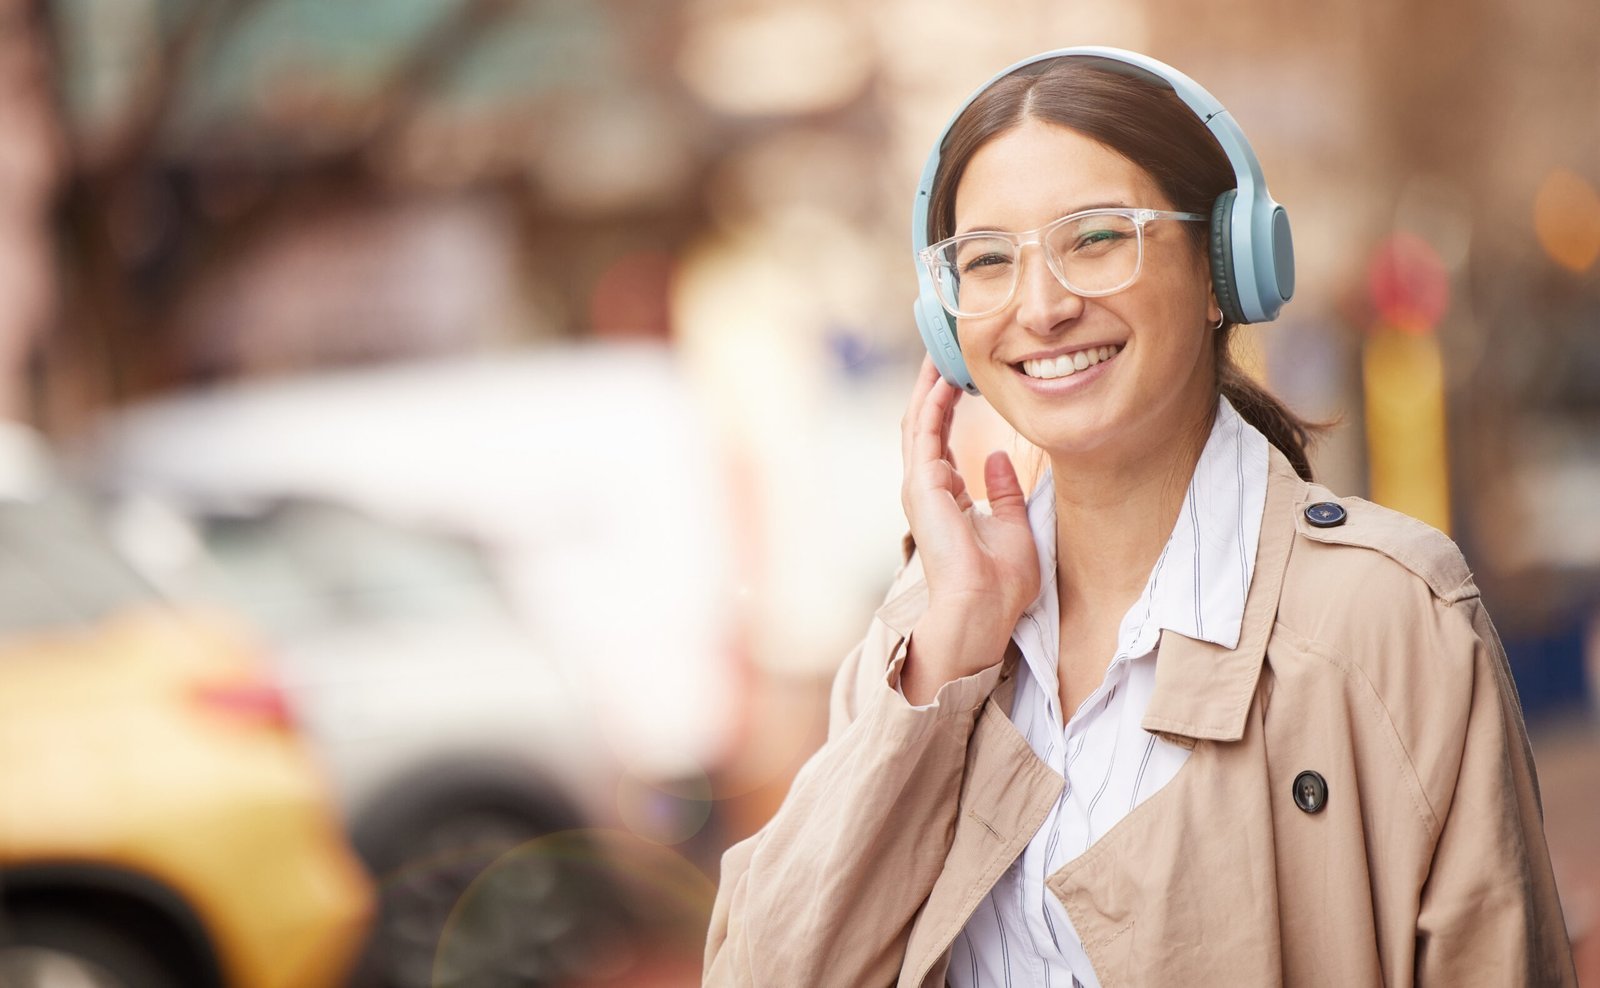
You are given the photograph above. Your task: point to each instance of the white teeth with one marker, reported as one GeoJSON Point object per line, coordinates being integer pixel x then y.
{"type": "Point", "coordinates": [1067, 363]}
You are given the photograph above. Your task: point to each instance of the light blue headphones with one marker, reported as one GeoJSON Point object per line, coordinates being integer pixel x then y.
{"type": "Point", "coordinates": [1252, 253]}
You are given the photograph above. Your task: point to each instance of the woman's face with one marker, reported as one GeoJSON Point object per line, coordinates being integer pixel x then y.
{"type": "Point", "coordinates": [1158, 385]}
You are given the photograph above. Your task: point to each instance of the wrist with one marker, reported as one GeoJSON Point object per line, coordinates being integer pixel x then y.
{"type": "Point", "coordinates": [943, 648]}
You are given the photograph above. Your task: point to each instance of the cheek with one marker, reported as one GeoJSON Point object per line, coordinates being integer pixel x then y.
{"type": "Point", "coordinates": [1176, 348]}
{"type": "Point", "coordinates": [1170, 344]}
{"type": "Point", "coordinates": [976, 338]}
{"type": "Point", "coordinates": [1176, 309]}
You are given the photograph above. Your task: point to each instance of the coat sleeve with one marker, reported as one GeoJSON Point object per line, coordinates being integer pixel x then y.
{"type": "Point", "coordinates": [826, 892]}
{"type": "Point", "coordinates": [1489, 912]}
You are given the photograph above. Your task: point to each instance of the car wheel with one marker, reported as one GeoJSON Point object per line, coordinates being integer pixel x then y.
{"type": "Point", "coordinates": [467, 900]}
{"type": "Point", "coordinates": [55, 949]}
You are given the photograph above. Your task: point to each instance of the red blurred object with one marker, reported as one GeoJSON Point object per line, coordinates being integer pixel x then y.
{"type": "Point", "coordinates": [632, 297]}
{"type": "Point", "coordinates": [1408, 284]}
{"type": "Point", "coordinates": [256, 701]}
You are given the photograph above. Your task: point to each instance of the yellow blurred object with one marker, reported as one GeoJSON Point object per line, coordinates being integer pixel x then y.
{"type": "Point", "coordinates": [1566, 218]}
{"type": "Point", "coordinates": [151, 782]}
{"type": "Point", "coordinates": [1404, 377]}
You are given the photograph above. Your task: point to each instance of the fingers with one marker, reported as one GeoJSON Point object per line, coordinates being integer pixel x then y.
{"type": "Point", "coordinates": [927, 377]}
{"type": "Point", "coordinates": [1006, 499]}
{"type": "Point", "coordinates": [927, 373]}
{"type": "Point", "coordinates": [925, 444]}
{"type": "Point", "coordinates": [949, 421]}
{"type": "Point", "coordinates": [930, 434]}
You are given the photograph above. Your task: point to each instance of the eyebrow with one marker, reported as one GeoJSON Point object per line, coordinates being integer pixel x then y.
{"type": "Point", "coordinates": [990, 228]}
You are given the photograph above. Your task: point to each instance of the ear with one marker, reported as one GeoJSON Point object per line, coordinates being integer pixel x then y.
{"type": "Point", "coordinates": [1213, 310]}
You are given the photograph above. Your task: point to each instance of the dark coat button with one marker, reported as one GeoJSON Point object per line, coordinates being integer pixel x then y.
{"type": "Point", "coordinates": [1310, 792]}
{"type": "Point", "coordinates": [1325, 514]}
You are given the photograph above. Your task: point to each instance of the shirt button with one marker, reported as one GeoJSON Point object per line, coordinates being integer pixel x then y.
{"type": "Point", "coordinates": [1325, 514]}
{"type": "Point", "coordinates": [1310, 792]}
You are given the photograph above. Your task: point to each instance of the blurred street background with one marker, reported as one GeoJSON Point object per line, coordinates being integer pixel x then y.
{"type": "Point", "coordinates": [448, 445]}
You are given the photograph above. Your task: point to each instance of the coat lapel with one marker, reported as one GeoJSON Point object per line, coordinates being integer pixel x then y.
{"type": "Point", "coordinates": [1184, 889]}
{"type": "Point", "coordinates": [1203, 690]}
{"type": "Point", "coordinates": [1159, 901]}
{"type": "Point", "coordinates": [1006, 794]}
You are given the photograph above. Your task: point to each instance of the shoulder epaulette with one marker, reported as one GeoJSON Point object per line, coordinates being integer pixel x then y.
{"type": "Point", "coordinates": [1419, 547]}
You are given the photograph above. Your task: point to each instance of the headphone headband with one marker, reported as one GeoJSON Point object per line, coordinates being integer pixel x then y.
{"type": "Point", "coordinates": [1252, 248]}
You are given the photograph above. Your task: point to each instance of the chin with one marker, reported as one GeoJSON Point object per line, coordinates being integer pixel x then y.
{"type": "Point", "coordinates": [1069, 433]}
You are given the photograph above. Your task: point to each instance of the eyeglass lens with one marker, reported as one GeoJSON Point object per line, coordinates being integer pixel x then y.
{"type": "Point", "coordinates": [1094, 255]}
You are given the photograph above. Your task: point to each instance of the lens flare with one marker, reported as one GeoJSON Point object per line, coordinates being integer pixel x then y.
{"type": "Point", "coordinates": [630, 904]}
{"type": "Point", "coordinates": [665, 812]}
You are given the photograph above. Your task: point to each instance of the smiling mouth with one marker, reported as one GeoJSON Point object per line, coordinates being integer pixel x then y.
{"type": "Point", "coordinates": [1048, 368]}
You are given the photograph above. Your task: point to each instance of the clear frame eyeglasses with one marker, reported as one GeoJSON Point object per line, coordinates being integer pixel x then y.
{"type": "Point", "coordinates": [1092, 253]}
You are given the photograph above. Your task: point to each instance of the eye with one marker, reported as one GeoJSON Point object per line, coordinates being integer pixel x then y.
{"type": "Point", "coordinates": [988, 259]}
{"type": "Point", "coordinates": [1094, 240]}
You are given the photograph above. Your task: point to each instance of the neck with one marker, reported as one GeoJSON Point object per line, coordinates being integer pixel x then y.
{"type": "Point", "coordinates": [1114, 515]}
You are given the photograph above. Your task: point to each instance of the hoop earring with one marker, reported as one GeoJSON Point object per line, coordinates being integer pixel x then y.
{"type": "Point", "coordinates": [1220, 320]}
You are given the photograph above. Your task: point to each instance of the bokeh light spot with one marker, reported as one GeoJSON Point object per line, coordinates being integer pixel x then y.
{"type": "Point", "coordinates": [1408, 283]}
{"type": "Point", "coordinates": [1566, 219]}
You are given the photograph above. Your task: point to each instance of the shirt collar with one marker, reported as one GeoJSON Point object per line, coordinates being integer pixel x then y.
{"type": "Point", "coordinates": [1199, 584]}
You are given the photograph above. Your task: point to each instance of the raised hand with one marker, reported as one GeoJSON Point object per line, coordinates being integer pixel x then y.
{"type": "Point", "coordinates": [982, 568]}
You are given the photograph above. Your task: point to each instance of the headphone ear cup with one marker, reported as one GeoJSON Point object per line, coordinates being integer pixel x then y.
{"type": "Point", "coordinates": [1222, 278]}
{"type": "Point", "coordinates": [939, 336]}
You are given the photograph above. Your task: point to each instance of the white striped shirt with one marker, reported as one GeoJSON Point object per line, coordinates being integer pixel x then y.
{"type": "Point", "coordinates": [1020, 934]}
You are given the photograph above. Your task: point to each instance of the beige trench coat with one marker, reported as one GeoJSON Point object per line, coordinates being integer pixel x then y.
{"type": "Point", "coordinates": [1365, 656]}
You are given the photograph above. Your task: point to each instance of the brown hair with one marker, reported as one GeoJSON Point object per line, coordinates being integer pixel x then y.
{"type": "Point", "coordinates": [1146, 122]}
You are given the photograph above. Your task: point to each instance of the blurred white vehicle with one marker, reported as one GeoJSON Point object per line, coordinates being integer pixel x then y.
{"type": "Point", "coordinates": [588, 474]}
{"type": "Point", "coordinates": [499, 589]}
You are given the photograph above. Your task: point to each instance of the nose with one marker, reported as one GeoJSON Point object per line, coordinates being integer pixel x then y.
{"type": "Point", "coordinates": [1043, 302]}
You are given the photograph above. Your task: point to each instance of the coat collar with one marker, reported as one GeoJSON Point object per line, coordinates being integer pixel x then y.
{"type": "Point", "coordinates": [1203, 690]}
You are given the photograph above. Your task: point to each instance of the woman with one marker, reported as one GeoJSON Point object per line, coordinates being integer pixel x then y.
{"type": "Point", "coordinates": [1180, 716]}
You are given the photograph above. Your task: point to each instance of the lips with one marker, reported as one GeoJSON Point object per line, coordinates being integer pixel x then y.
{"type": "Point", "coordinates": [1067, 364]}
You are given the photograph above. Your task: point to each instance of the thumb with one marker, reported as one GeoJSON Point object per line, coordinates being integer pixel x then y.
{"type": "Point", "coordinates": [1006, 500]}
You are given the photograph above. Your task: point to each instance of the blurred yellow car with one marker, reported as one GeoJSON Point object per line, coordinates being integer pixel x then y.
{"type": "Point", "coordinates": [161, 823]}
